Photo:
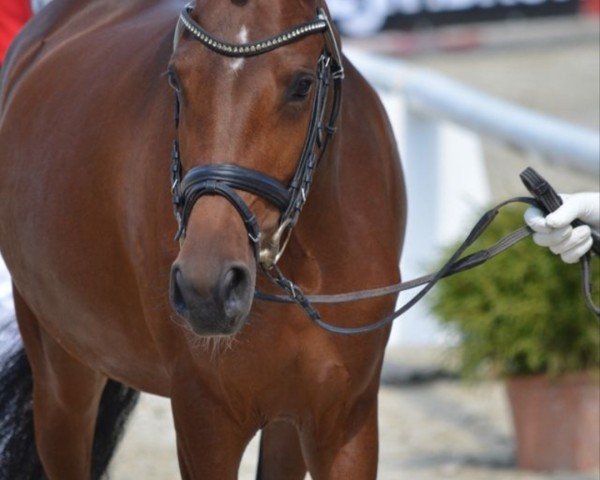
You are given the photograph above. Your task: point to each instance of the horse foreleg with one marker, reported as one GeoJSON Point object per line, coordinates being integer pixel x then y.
{"type": "Point", "coordinates": [352, 454]}
{"type": "Point", "coordinates": [66, 395]}
{"type": "Point", "coordinates": [280, 453]}
{"type": "Point", "coordinates": [210, 442]}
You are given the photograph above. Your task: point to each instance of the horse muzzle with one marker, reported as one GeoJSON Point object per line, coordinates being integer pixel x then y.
{"type": "Point", "coordinates": [213, 308]}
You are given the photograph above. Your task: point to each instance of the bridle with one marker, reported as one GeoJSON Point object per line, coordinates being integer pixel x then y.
{"type": "Point", "coordinates": [226, 179]}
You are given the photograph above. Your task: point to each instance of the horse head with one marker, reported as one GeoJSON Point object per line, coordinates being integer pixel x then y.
{"type": "Point", "coordinates": [252, 80]}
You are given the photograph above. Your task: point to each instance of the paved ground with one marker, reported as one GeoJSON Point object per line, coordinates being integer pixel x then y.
{"type": "Point", "coordinates": [432, 427]}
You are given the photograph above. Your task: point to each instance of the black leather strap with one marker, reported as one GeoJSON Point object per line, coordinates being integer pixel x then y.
{"type": "Point", "coordinates": [586, 283]}
{"type": "Point", "coordinates": [192, 193]}
{"type": "Point", "coordinates": [311, 153]}
{"type": "Point", "coordinates": [241, 178]}
{"type": "Point", "coordinates": [454, 265]}
{"type": "Point", "coordinates": [463, 264]}
{"type": "Point", "coordinates": [549, 201]}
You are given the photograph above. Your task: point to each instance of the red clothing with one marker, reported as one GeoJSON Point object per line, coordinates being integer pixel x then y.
{"type": "Point", "coordinates": [13, 15]}
{"type": "Point", "coordinates": [591, 7]}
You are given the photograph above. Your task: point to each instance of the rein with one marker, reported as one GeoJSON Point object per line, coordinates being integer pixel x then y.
{"type": "Point", "coordinates": [545, 198]}
{"type": "Point", "coordinates": [225, 180]}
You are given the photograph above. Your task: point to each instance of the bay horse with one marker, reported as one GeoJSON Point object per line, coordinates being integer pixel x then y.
{"type": "Point", "coordinates": [108, 304]}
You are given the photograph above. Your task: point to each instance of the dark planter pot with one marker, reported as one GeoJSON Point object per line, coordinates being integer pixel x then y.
{"type": "Point", "coordinates": [557, 422]}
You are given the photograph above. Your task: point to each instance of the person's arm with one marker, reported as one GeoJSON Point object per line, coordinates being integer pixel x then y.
{"type": "Point", "coordinates": [555, 231]}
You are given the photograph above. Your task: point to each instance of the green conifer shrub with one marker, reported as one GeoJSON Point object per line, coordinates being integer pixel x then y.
{"type": "Point", "coordinates": [523, 312]}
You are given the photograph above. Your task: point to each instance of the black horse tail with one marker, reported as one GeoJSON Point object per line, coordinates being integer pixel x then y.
{"type": "Point", "coordinates": [18, 456]}
{"type": "Point", "coordinates": [117, 403]}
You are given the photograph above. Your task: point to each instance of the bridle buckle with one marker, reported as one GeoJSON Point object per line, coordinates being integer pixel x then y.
{"type": "Point", "coordinates": [271, 254]}
{"type": "Point", "coordinates": [338, 73]}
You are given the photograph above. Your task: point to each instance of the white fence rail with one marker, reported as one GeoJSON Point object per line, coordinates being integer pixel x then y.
{"type": "Point", "coordinates": [439, 124]}
{"type": "Point", "coordinates": [438, 97]}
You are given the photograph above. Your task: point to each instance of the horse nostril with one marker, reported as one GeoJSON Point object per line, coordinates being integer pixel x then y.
{"type": "Point", "coordinates": [177, 298]}
{"type": "Point", "coordinates": [212, 304]}
{"type": "Point", "coordinates": [235, 291]}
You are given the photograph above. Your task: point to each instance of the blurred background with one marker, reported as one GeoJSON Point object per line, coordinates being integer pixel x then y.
{"type": "Point", "coordinates": [476, 91]}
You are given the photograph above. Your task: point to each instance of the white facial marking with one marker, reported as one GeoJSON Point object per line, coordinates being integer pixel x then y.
{"type": "Point", "coordinates": [242, 38]}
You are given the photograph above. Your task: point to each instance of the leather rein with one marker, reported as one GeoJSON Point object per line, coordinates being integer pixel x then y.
{"type": "Point", "coordinates": [226, 180]}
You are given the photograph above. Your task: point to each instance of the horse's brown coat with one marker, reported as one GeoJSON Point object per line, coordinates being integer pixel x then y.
{"type": "Point", "coordinates": [86, 229]}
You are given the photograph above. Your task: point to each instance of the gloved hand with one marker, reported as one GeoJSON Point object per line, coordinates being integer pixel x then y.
{"type": "Point", "coordinates": [555, 231]}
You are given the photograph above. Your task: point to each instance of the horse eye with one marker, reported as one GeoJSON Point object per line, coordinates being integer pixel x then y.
{"type": "Point", "coordinates": [173, 80]}
{"type": "Point", "coordinates": [302, 87]}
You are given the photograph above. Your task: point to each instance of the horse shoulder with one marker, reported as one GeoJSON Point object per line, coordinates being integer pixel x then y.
{"type": "Point", "coordinates": [371, 159]}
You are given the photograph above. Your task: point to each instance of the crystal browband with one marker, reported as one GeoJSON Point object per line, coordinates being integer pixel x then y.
{"type": "Point", "coordinates": [252, 48]}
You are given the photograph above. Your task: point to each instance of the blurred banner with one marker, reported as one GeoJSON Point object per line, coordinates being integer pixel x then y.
{"type": "Point", "coordinates": [365, 17]}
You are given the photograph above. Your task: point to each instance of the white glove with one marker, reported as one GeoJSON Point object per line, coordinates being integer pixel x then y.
{"type": "Point", "coordinates": [555, 231]}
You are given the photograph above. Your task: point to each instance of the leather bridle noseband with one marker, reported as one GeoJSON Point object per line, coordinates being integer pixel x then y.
{"type": "Point", "coordinates": [226, 180]}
